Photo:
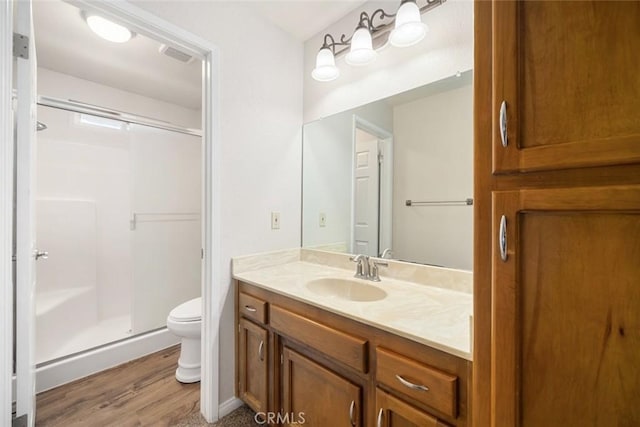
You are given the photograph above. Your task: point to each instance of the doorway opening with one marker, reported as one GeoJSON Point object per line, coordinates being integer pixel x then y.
{"type": "Point", "coordinates": [372, 184]}
{"type": "Point", "coordinates": [147, 25]}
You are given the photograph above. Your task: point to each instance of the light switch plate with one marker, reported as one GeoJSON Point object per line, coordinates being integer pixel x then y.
{"type": "Point", "coordinates": [323, 219]}
{"type": "Point", "coordinates": [275, 220]}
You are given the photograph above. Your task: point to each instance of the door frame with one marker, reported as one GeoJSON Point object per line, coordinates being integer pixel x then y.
{"type": "Point", "coordinates": [148, 24]}
{"type": "Point", "coordinates": [386, 184]}
{"type": "Point", "coordinates": [6, 210]}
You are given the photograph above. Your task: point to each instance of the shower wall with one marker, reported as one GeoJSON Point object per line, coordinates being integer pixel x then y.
{"type": "Point", "coordinates": [118, 210]}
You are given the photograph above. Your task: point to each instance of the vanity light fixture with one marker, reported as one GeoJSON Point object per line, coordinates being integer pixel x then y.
{"type": "Point", "coordinates": [106, 29]}
{"type": "Point", "coordinates": [408, 29]}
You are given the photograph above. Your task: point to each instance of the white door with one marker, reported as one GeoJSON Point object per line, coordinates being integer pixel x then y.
{"type": "Point", "coordinates": [25, 77]}
{"type": "Point", "coordinates": [366, 194]}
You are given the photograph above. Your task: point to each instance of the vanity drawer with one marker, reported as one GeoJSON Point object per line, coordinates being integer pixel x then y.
{"type": "Point", "coordinates": [252, 307]}
{"type": "Point", "coordinates": [345, 348]}
{"type": "Point", "coordinates": [418, 381]}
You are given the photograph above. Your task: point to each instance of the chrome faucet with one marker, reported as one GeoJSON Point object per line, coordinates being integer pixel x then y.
{"type": "Point", "coordinates": [362, 266]}
{"type": "Point", "coordinates": [367, 271]}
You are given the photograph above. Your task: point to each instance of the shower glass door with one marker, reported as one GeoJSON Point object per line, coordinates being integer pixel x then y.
{"type": "Point", "coordinates": [118, 208]}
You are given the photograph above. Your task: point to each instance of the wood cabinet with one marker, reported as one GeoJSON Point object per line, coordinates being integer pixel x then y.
{"type": "Point", "coordinates": [557, 214]}
{"type": "Point", "coordinates": [334, 371]}
{"type": "Point", "coordinates": [318, 395]}
{"type": "Point", "coordinates": [567, 351]}
{"type": "Point", "coordinates": [252, 365]}
{"type": "Point", "coordinates": [394, 412]}
{"type": "Point", "coordinates": [565, 78]}
{"type": "Point", "coordinates": [418, 381]}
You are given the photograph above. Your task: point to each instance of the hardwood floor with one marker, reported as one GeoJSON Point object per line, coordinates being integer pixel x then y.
{"type": "Point", "coordinates": [143, 392]}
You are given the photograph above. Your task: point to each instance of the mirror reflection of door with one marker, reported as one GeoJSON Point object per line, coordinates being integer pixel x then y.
{"type": "Point", "coordinates": [366, 193]}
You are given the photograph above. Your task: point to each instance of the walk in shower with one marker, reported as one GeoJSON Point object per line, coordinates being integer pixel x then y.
{"type": "Point", "coordinates": [118, 210]}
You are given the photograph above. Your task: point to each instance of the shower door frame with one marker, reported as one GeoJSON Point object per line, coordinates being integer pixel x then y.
{"type": "Point", "coordinates": [152, 26]}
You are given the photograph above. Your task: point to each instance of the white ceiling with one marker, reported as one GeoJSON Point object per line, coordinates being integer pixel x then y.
{"type": "Point", "coordinates": [305, 18]}
{"type": "Point", "coordinates": [64, 43]}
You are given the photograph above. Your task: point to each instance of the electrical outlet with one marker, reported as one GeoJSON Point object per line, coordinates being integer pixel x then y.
{"type": "Point", "coordinates": [323, 219]}
{"type": "Point", "coordinates": [275, 220]}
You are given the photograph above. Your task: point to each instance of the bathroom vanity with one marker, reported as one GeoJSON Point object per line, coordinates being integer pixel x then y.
{"type": "Point", "coordinates": [316, 345]}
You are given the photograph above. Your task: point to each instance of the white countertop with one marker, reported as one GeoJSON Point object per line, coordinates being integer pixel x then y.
{"type": "Point", "coordinates": [435, 316]}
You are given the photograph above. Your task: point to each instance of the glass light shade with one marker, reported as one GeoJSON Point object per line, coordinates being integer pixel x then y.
{"type": "Point", "coordinates": [361, 52]}
{"type": "Point", "coordinates": [409, 28]}
{"type": "Point", "coordinates": [108, 30]}
{"type": "Point", "coordinates": [325, 69]}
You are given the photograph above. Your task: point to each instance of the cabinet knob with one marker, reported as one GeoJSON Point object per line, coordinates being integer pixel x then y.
{"type": "Point", "coordinates": [411, 385]}
{"type": "Point", "coordinates": [261, 351]}
{"type": "Point", "coordinates": [352, 408]}
{"type": "Point", "coordinates": [502, 238]}
{"type": "Point", "coordinates": [380, 413]}
{"type": "Point", "coordinates": [503, 123]}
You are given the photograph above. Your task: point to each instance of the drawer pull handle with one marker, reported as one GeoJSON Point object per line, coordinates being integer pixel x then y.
{"type": "Point", "coordinates": [411, 385]}
{"type": "Point", "coordinates": [379, 423]}
{"type": "Point", "coordinates": [250, 308]}
{"type": "Point", "coordinates": [503, 123]}
{"type": "Point", "coordinates": [502, 239]}
{"type": "Point", "coordinates": [351, 413]}
{"type": "Point", "coordinates": [261, 351]}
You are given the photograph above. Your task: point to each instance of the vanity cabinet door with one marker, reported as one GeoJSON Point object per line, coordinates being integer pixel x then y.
{"type": "Point", "coordinates": [565, 84]}
{"type": "Point", "coordinates": [566, 298]}
{"type": "Point", "coordinates": [316, 396]}
{"type": "Point", "coordinates": [393, 412]}
{"type": "Point", "coordinates": [253, 370]}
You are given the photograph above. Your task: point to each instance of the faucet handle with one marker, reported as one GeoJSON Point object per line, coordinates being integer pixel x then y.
{"type": "Point", "coordinates": [375, 276]}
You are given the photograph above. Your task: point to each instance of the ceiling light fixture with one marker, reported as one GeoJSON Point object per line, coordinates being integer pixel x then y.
{"type": "Point", "coordinates": [108, 30]}
{"type": "Point", "coordinates": [408, 29]}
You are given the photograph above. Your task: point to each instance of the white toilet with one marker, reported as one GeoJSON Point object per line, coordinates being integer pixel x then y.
{"type": "Point", "coordinates": [185, 321]}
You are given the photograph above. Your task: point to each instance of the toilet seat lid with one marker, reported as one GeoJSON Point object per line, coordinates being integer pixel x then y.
{"type": "Point", "coordinates": [188, 311]}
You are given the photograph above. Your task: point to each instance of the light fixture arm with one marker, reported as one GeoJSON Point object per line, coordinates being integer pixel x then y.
{"type": "Point", "coordinates": [376, 24]}
{"type": "Point", "coordinates": [383, 15]}
{"type": "Point", "coordinates": [330, 43]}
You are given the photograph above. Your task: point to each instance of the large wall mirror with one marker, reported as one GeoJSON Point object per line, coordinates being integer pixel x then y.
{"type": "Point", "coordinates": [394, 178]}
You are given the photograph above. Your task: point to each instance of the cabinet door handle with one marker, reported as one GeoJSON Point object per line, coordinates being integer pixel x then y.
{"type": "Point", "coordinates": [261, 351]}
{"type": "Point", "coordinates": [503, 123]}
{"type": "Point", "coordinates": [502, 238]}
{"type": "Point", "coordinates": [352, 408]}
{"type": "Point", "coordinates": [379, 423]}
{"type": "Point", "coordinates": [411, 385]}
{"type": "Point", "coordinates": [250, 308]}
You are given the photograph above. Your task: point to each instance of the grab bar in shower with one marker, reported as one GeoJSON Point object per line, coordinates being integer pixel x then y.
{"type": "Point", "coordinates": [466, 202]}
{"type": "Point", "coordinates": [138, 217]}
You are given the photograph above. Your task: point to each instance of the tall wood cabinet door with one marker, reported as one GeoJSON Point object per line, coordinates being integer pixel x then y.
{"type": "Point", "coordinates": [318, 395]}
{"type": "Point", "coordinates": [566, 303]}
{"type": "Point", "coordinates": [566, 90]}
{"type": "Point", "coordinates": [393, 412]}
{"type": "Point", "coordinates": [253, 369]}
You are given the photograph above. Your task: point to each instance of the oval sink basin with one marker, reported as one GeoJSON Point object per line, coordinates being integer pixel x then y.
{"type": "Point", "coordinates": [351, 290]}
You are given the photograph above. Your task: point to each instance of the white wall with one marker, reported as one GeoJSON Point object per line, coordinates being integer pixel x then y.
{"type": "Point", "coordinates": [260, 137]}
{"type": "Point", "coordinates": [328, 173]}
{"type": "Point", "coordinates": [58, 85]}
{"type": "Point", "coordinates": [447, 48]}
{"type": "Point", "coordinates": [434, 144]}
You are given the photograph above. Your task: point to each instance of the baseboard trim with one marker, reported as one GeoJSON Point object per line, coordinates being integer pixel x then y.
{"type": "Point", "coordinates": [229, 406]}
